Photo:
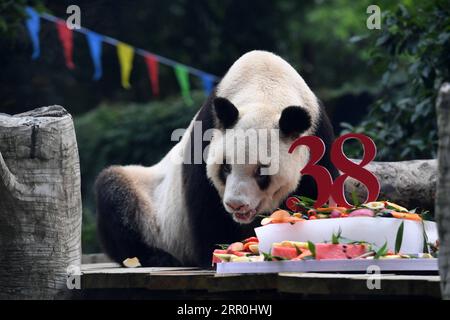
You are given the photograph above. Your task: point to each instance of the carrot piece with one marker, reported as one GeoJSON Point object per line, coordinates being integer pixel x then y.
{"type": "Point", "coordinates": [406, 215]}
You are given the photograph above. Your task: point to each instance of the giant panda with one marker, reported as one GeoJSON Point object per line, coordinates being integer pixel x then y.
{"type": "Point", "coordinates": [175, 212]}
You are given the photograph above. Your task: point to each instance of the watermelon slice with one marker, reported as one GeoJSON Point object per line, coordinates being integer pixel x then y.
{"type": "Point", "coordinates": [339, 251]}
{"type": "Point", "coordinates": [284, 252]}
{"type": "Point", "coordinates": [216, 259]}
{"type": "Point", "coordinates": [305, 253]}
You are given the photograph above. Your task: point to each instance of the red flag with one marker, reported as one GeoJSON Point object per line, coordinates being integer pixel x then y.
{"type": "Point", "coordinates": [152, 66]}
{"type": "Point", "coordinates": [65, 36]}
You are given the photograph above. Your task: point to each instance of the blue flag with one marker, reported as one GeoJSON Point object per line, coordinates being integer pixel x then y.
{"type": "Point", "coordinates": [95, 47]}
{"type": "Point", "coordinates": [33, 24]}
{"type": "Point", "coordinates": [207, 81]}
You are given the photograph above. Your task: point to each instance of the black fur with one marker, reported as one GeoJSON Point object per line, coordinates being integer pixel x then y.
{"type": "Point", "coordinates": [294, 121]}
{"type": "Point", "coordinates": [263, 181]}
{"type": "Point", "coordinates": [226, 112]}
{"type": "Point", "coordinates": [225, 170]}
{"type": "Point", "coordinates": [117, 210]}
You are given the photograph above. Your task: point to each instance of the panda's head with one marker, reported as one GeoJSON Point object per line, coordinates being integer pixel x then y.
{"type": "Point", "coordinates": [255, 176]}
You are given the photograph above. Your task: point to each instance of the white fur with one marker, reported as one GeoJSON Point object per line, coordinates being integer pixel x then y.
{"type": "Point", "coordinates": [163, 200]}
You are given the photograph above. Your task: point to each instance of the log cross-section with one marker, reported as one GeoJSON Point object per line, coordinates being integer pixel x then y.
{"type": "Point", "coordinates": [40, 203]}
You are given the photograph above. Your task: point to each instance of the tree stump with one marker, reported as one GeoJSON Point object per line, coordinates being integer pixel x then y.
{"type": "Point", "coordinates": [411, 184]}
{"type": "Point", "coordinates": [40, 203]}
{"type": "Point", "coordinates": [443, 187]}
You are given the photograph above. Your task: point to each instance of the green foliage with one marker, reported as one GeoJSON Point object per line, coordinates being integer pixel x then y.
{"type": "Point", "coordinates": [125, 134]}
{"type": "Point", "coordinates": [399, 237]}
{"type": "Point", "coordinates": [413, 51]}
{"type": "Point", "coordinates": [382, 251]}
{"type": "Point", "coordinates": [12, 15]}
{"type": "Point", "coordinates": [312, 248]}
{"type": "Point", "coordinates": [335, 237]}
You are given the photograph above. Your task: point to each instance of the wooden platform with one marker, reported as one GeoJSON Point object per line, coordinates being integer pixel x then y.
{"type": "Point", "coordinates": [109, 280]}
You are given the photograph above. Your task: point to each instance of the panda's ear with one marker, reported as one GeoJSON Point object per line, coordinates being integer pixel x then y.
{"type": "Point", "coordinates": [294, 121]}
{"type": "Point", "coordinates": [226, 113]}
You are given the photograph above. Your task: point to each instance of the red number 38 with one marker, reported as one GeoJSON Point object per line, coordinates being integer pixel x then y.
{"type": "Point", "coordinates": [325, 185]}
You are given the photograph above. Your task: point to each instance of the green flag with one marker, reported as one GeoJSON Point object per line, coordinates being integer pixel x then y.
{"type": "Point", "coordinates": [183, 80]}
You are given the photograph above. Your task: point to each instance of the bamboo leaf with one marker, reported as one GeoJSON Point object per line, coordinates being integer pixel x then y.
{"type": "Point", "coordinates": [307, 201]}
{"type": "Point", "coordinates": [399, 237]}
{"type": "Point", "coordinates": [382, 251]}
{"type": "Point", "coordinates": [425, 248]}
{"type": "Point", "coordinates": [355, 198]}
{"type": "Point", "coordinates": [223, 246]}
{"type": "Point", "coordinates": [335, 238]}
{"type": "Point", "coordinates": [312, 248]}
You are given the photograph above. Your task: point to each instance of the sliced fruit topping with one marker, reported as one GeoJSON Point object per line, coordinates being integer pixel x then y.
{"type": "Point", "coordinates": [361, 213]}
{"type": "Point", "coordinates": [236, 246]}
{"type": "Point", "coordinates": [375, 205]}
{"type": "Point", "coordinates": [280, 216]}
{"type": "Point", "coordinates": [131, 262]}
{"type": "Point", "coordinates": [396, 207]}
{"type": "Point", "coordinates": [339, 251]}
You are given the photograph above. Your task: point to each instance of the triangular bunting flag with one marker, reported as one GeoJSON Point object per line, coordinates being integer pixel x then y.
{"type": "Point", "coordinates": [95, 47]}
{"type": "Point", "coordinates": [33, 24]}
{"type": "Point", "coordinates": [66, 38]}
{"type": "Point", "coordinates": [183, 80]}
{"type": "Point", "coordinates": [152, 67]}
{"type": "Point", "coordinates": [125, 54]}
{"type": "Point", "coordinates": [207, 81]}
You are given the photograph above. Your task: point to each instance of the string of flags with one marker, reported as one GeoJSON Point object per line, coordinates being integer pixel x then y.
{"type": "Point", "coordinates": [125, 53]}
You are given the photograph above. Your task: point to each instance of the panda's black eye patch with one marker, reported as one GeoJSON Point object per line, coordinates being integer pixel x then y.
{"type": "Point", "coordinates": [294, 120]}
{"type": "Point", "coordinates": [263, 180]}
{"type": "Point", "coordinates": [225, 170]}
{"type": "Point", "coordinates": [226, 112]}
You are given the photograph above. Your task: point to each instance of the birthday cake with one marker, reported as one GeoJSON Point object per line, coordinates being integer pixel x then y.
{"type": "Point", "coordinates": [374, 230]}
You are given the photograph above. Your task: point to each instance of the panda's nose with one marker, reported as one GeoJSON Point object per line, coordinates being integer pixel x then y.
{"type": "Point", "coordinates": [237, 205]}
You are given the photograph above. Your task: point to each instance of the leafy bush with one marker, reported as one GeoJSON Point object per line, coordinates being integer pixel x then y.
{"type": "Point", "coordinates": [125, 134]}
{"type": "Point", "coordinates": [413, 50]}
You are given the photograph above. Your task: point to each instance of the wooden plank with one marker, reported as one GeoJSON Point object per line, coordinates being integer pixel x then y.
{"type": "Point", "coordinates": [99, 266]}
{"type": "Point", "coordinates": [116, 268]}
{"type": "Point", "coordinates": [241, 282]}
{"type": "Point", "coordinates": [205, 282]}
{"type": "Point", "coordinates": [356, 285]}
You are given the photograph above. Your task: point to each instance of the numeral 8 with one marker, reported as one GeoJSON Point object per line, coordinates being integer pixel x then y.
{"type": "Point", "coordinates": [324, 181]}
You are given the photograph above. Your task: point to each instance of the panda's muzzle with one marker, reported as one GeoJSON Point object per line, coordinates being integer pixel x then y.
{"type": "Point", "coordinates": [242, 213]}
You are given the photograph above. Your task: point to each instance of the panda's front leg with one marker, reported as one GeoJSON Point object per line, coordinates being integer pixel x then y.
{"type": "Point", "coordinates": [121, 218]}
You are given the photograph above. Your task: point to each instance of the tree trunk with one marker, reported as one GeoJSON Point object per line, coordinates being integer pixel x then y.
{"type": "Point", "coordinates": [443, 187]}
{"type": "Point", "coordinates": [40, 203]}
{"type": "Point", "coordinates": [411, 184]}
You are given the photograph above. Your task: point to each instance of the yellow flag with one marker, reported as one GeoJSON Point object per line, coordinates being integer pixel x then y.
{"type": "Point", "coordinates": [125, 54]}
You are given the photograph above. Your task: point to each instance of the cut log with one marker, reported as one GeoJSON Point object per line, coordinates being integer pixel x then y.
{"type": "Point", "coordinates": [411, 184]}
{"type": "Point", "coordinates": [443, 187]}
{"type": "Point", "coordinates": [40, 203]}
